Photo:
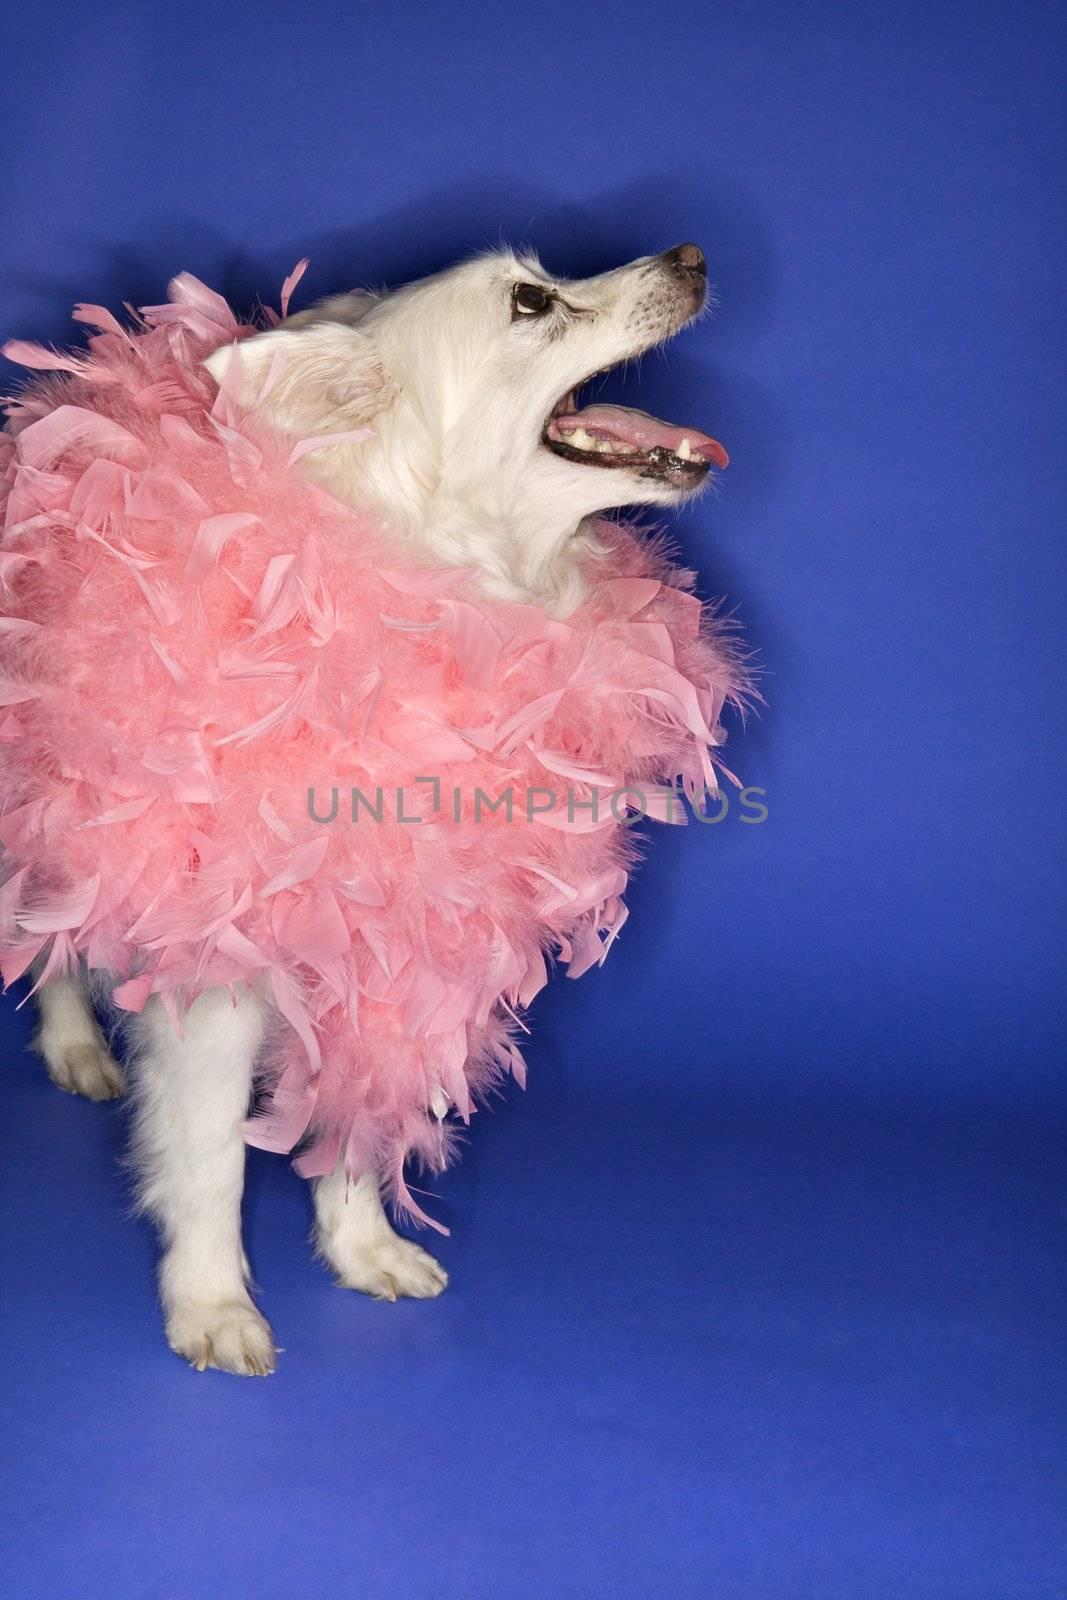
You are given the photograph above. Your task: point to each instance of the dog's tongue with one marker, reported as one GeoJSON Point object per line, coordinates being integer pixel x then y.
{"type": "Point", "coordinates": [642, 432]}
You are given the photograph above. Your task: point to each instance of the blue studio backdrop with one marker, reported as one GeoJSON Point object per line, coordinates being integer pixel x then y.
{"type": "Point", "coordinates": [757, 1292]}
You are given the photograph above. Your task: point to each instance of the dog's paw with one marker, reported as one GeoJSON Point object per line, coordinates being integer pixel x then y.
{"type": "Point", "coordinates": [86, 1069]}
{"type": "Point", "coordinates": [230, 1335]}
{"type": "Point", "coordinates": [389, 1268]}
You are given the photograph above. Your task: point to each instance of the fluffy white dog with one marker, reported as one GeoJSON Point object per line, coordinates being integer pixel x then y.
{"type": "Point", "coordinates": [481, 456]}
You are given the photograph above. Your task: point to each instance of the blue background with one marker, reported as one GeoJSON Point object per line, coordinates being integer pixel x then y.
{"type": "Point", "coordinates": [757, 1292]}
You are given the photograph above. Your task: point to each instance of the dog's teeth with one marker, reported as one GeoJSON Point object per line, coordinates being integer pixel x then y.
{"type": "Point", "coordinates": [683, 452]}
{"type": "Point", "coordinates": [581, 439]}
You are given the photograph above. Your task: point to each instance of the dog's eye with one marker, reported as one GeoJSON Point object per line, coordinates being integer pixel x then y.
{"type": "Point", "coordinates": [530, 300]}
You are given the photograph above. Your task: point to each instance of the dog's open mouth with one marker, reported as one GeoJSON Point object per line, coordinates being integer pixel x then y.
{"type": "Point", "coordinates": [618, 436]}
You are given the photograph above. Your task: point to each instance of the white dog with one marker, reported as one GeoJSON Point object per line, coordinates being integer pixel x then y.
{"type": "Point", "coordinates": [479, 457]}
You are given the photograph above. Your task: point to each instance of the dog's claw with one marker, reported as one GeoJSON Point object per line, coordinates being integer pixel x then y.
{"type": "Point", "coordinates": [231, 1336]}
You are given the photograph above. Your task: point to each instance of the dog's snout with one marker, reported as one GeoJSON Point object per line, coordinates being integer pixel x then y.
{"type": "Point", "coordinates": [687, 260]}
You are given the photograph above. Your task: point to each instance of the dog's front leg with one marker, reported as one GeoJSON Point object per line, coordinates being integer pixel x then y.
{"type": "Point", "coordinates": [192, 1094]}
{"type": "Point", "coordinates": [352, 1233]}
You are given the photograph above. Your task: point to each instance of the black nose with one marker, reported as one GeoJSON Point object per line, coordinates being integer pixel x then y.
{"type": "Point", "coordinates": [687, 260]}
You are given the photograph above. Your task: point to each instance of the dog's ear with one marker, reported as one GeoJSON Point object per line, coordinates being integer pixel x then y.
{"type": "Point", "coordinates": [322, 377]}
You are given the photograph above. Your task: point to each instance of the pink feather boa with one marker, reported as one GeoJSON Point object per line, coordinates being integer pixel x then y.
{"type": "Point", "coordinates": [193, 636]}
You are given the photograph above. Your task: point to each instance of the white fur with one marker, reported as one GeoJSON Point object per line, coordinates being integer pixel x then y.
{"type": "Point", "coordinates": [193, 1090]}
{"type": "Point", "coordinates": [457, 388]}
{"type": "Point", "coordinates": [457, 391]}
{"type": "Point", "coordinates": [73, 1047]}
{"type": "Point", "coordinates": [353, 1235]}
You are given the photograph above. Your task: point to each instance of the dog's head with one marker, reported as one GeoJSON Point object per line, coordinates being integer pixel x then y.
{"type": "Point", "coordinates": [469, 379]}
